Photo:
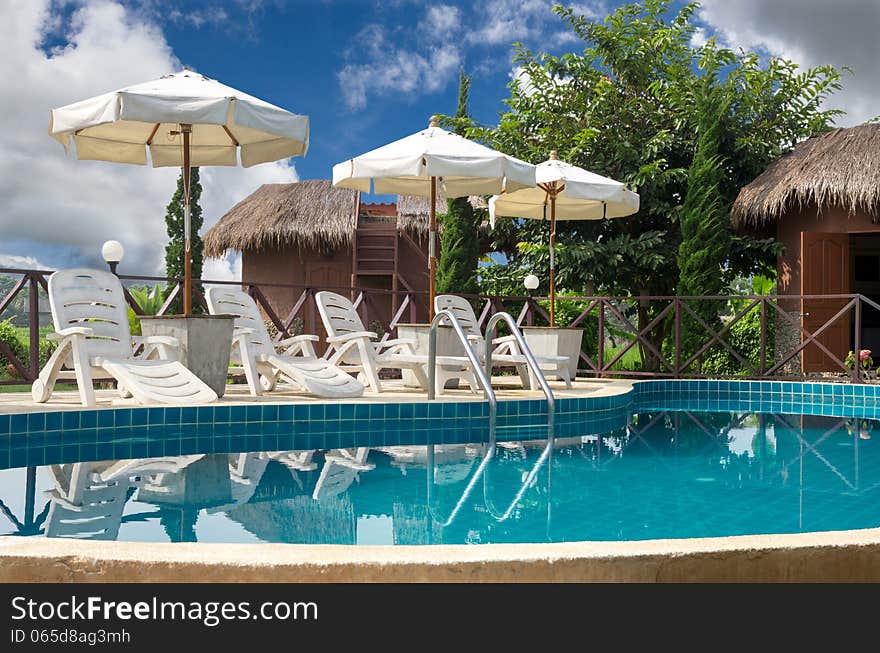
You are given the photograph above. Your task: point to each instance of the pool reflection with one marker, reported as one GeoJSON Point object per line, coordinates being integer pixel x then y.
{"type": "Point", "coordinates": [667, 474]}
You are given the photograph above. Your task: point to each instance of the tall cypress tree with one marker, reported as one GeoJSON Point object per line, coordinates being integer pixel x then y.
{"type": "Point", "coordinates": [459, 243]}
{"type": "Point", "coordinates": [705, 227]}
{"type": "Point", "coordinates": [174, 259]}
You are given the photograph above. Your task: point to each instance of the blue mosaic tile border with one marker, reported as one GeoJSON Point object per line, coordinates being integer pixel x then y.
{"type": "Point", "coordinates": [116, 433]}
{"type": "Point", "coordinates": [828, 399]}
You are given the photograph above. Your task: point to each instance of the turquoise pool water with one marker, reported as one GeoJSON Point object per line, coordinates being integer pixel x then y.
{"type": "Point", "coordinates": [668, 461]}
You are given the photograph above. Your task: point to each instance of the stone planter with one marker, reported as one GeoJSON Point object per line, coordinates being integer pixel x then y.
{"type": "Point", "coordinates": [448, 344]}
{"type": "Point", "coordinates": [205, 343]}
{"type": "Point", "coordinates": [555, 341]}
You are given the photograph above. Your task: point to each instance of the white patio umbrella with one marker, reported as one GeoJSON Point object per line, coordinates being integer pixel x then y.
{"type": "Point", "coordinates": [184, 119]}
{"type": "Point", "coordinates": [573, 194]}
{"type": "Point", "coordinates": [414, 165]}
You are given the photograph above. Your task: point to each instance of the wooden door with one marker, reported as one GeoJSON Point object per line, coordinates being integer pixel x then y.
{"type": "Point", "coordinates": [825, 271]}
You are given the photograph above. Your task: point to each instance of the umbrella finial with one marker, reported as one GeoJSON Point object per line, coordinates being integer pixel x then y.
{"type": "Point", "coordinates": [554, 155]}
{"type": "Point", "coordinates": [435, 121]}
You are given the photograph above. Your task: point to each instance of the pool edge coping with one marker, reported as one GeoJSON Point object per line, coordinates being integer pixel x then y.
{"type": "Point", "coordinates": [830, 556]}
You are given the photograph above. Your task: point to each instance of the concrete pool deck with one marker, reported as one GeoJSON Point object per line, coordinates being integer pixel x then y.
{"type": "Point", "coordinates": [841, 556]}
{"type": "Point", "coordinates": [506, 388]}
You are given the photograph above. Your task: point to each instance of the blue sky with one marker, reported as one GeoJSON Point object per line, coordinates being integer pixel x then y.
{"type": "Point", "coordinates": [366, 72]}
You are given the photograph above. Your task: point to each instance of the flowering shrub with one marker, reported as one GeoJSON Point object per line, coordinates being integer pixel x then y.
{"type": "Point", "coordinates": [865, 360]}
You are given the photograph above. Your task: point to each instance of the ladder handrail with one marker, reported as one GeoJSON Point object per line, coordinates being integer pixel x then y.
{"type": "Point", "coordinates": [530, 477]}
{"type": "Point", "coordinates": [491, 327]}
{"type": "Point", "coordinates": [484, 376]}
{"type": "Point", "coordinates": [488, 391]}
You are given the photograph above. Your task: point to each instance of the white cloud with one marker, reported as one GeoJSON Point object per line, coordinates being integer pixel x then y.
{"type": "Point", "coordinates": [20, 262]}
{"type": "Point", "coordinates": [223, 269]}
{"type": "Point", "coordinates": [811, 33]}
{"type": "Point", "coordinates": [387, 68]}
{"type": "Point", "coordinates": [61, 210]}
{"type": "Point", "coordinates": [506, 21]}
{"type": "Point", "coordinates": [502, 22]}
{"type": "Point", "coordinates": [439, 21]}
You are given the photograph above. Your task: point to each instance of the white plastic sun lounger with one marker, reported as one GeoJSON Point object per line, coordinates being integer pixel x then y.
{"type": "Point", "coordinates": [254, 351]}
{"type": "Point", "coordinates": [83, 506]}
{"type": "Point", "coordinates": [353, 348]}
{"type": "Point", "coordinates": [506, 350]}
{"type": "Point", "coordinates": [89, 498]}
{"type": "Point", "coordinates": [91, 328]}
{"type": "Point", "coordinates": [341, 468]}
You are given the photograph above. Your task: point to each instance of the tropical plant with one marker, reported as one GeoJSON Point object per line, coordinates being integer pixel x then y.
{"type": "Point", "coordinates": [149, 300]}
{"type": "Point", "coordinates": [625, 107]}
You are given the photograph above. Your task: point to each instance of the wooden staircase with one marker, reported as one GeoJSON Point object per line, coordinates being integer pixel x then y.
{"type": "Point", "coordinates": [375, 250]}
{"type": "Point", "coordinates": [384, 257]}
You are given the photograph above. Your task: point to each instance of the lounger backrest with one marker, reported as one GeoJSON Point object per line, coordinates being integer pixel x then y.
{"type": "Point", "coordinates": [232, 301]}
{"type": "Point", "coordinates": [461, 309]}
{"type": "Point", "coordinates": [92, 299]}
{"type": "Point", "coordinates": [340, 318]}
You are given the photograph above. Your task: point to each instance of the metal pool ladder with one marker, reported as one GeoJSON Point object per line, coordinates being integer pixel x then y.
{"type": "Point", "coordinates": [484, 376]}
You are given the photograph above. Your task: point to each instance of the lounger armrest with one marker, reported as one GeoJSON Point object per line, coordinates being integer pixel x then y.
{"type": "Point", "coordinates": [297, 345]}
{"type": "Point", "coordinates": [354, 335]}
{"type": "Point", "coordinates": [296, 339]}
{"type": "Point", "coordinates": [396, 346]}
{"type": "Point", "coordinates": [160, 347]}
{"type": "Point", "coordinates": [503, 339]}
{"type": "Point", "coordinates": [61, 334]}
{"type": "Point", "coordinates": [411, 342]}
{"type": "Point", "coordinates": [242, 331]}
{"type": "Point", "coordinates": [169, 341]}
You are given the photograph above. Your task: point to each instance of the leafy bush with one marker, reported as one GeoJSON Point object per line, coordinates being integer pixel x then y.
{"type": "Point", "coordinates": [745, 338]}
{"type": "Point", "coordinates": [9, 336]}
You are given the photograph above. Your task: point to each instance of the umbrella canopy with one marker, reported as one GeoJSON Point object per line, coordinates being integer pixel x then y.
{"type": "Point", "coordinates": [572, 193]}
{"type": "Point", "coordinates": [584, 195]}
{"type": "Point", "coordinates": [184, 119]}
{"type": "Point", "coordinates": [122, 125]}
{"type": "Point", "coordinates": [416, 164]}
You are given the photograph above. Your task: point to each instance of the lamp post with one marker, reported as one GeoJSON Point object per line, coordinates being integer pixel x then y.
{"type": "Point", "coordinates": [531, 283]}
{"type": "Point", "coordinates": [112, 251]}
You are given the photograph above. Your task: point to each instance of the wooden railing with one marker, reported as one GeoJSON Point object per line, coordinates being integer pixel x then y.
{"type": "Point", "coordinates": [615, 331]}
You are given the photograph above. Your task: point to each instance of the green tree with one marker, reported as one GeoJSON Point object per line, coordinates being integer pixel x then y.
{"type": "Point", "coordinates": [705, 226]}
{"type": "Point", "coordinates": [174, 252]}
{"type": "Point", "coordinates": [460, 243]}
{"type": "Point", "coordinates": [625, 107]}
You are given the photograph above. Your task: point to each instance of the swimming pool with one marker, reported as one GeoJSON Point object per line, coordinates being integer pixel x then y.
{"type": "Point", "coordinates": [668, 460]}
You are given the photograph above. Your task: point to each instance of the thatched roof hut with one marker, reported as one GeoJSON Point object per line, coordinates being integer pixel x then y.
{"type": "Point", "coordinates": [839, 168]}
{"type": "Point", "coordinates": [305, 214]}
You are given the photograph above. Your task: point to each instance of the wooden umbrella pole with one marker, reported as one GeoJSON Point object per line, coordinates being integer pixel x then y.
{"type": "Point", "coordinates": [432, 253]}
{"type": "Point", "coordinates": [552, 259]}
{"type": "Point", "coordinates": [187, 222]}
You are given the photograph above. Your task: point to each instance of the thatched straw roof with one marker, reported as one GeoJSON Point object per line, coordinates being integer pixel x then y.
{"type": "Point", "coordinates": [838, 168]}
{"type": "Point", "coordinates": [412, 210]}
{"type": "Point", "coordinates": [305, 214]}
